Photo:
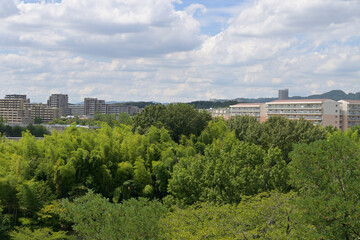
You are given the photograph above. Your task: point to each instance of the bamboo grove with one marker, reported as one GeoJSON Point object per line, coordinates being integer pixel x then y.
{"type": "Point", "coordinates": [172, 172]}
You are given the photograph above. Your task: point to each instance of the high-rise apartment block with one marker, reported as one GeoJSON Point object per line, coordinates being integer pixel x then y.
{"type": "Point", "coordinates": [15, 96]}
{"type": "Point", "coordinates": [283, 94]}
{"type": "Point", "coordinates": [18, 109]}
{"type": "Point", "coordinates": [13, 109]}
{"type": "Point", "coordinates": [59, 101]}
{"type": "Point", "coordinates": [93, 105]}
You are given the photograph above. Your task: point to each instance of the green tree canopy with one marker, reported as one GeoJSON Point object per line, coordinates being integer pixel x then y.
{"type": "Point", "coordinates": [327, 174]}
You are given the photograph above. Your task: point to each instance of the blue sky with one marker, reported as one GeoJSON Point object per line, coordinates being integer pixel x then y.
{"type": "Point", "coordinates": [166, 51]}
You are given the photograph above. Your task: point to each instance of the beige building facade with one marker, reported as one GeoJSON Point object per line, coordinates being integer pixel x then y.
{"type": "Point", "coordinates": [43, 111]}
{"type": "Point", "coordinates": [349, 113]}
{"type": "Point", "coordinates": [13, 110]}
{"type": "Point", "coordinates": [93, 105]}
{"type": "Point", "coordinates": [60, 101]}
{"type": "Point", "coordinates": [323, 112]}
{"type": "Point", "coordinates": [20, 110]}
{"type": "Point", "coordinates": [257, 110]}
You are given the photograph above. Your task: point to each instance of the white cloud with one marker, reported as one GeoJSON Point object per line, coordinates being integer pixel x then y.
{"type": "Point", "coordinates": [110, 28]}
{"type": "Point", "coordinates": [7, 8]}
{"type": "Point", "coordinates": [146, 50]}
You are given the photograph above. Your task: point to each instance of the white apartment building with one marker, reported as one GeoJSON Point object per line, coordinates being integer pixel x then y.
{"type": "Point", "coordinates": [257, 110]}
{"type": "Point", "coordinates": [323, 112]}
{"type": "Point", "coordinates": [349, 113]}
{"type": "Point", "coordinates": [220, 112]}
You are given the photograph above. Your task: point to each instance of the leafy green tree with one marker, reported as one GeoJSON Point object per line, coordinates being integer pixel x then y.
{"type": "Point", "coordinates": [229, 170]}
{"type": "Point", "coordinates": [124, 118]}
{"type": "Point", "coordinates": [94, 217]}
{"type": "Point", "coordinates": [327, 174]}
{"type": "Point", "coordinates": [179, 119]}
{"type": "Point", "coordinates": [265, 216]}
{"type": "Point", "coordinates": [4, 224]}
{"type": "Point", "coordinates": [142, 177]}
{"type": "Point", "coordinates": [37, 120]}
{"type": "Point", "coordinates": [33, 195]}
{"type": "Point", "coordinates": [152, 115]}
{"type": "Point", "coordinates": [25, 233]}
{"type": "Point", "coordinates": [246, 128]}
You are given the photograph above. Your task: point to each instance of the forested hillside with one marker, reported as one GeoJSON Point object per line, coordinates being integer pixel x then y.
{"type": "Point", "coordinates": [175, 173]}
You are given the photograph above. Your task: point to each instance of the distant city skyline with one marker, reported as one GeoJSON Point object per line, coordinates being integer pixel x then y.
{"type": "Point", "coordinates": [178, 51]}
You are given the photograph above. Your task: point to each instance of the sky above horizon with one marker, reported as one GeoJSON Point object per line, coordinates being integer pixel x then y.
{"type": "Point", "coordinates": [178, 51]}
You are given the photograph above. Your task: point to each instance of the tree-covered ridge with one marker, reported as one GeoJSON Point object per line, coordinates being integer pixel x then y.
{"type": "Point", "coordinates": [235, 179]}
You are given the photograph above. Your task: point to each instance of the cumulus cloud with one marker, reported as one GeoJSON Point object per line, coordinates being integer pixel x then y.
{"type": "Point", "coordinates": [7, 8]}
{"type": "Point", "coordinates": [110, 28]}
{"type": "Point", "coordinates": [147, 50]}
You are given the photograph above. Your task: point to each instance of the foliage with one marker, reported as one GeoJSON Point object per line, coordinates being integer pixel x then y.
{"type": "Point", "coordinates": [223, 174]}
{"type": "Point", "coordinates": [37, 120]}
{"type": "Point", "coordinates": [16, 131]}
{"type": "Point", "coordinates": [179, 119]}
{"type": "Point", "coordinates": [25, 233]}
{"type": "Point", "coordinates": [96, 218]}
{"type": "Point", "coordinates": [211, 104]}
{"type": "Point", "coordinates": [228, 170]}
{"type": "Point", "coordinates": [4, 224]}
{"type": "Point", "coordinates": [276, 132]}
{"type": "Point", "coordinates": [327, 174]}
{"type": "Point", "coordinates": [265, 216]}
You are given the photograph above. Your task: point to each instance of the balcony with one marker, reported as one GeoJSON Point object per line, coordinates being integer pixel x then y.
{"type": "Point", "coordinates": [294, 106]}
{"type": "Point", "coordinates": [294, 112]}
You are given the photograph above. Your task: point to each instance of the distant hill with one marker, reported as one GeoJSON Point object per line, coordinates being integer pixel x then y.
{"type": "Point", "coordinates": [335, 95]}
{"type": "Point", "coordinates": [223, 103]}
{"type": "Point", "coordinates": [212, 104]}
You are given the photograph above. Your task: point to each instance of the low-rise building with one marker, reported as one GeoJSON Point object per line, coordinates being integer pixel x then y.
{"type": "Point", "coordinates": [257, 110]}
{"type": "Point", "coordinates": [349, 113]}
{"type": "Point", "coordinates": [323, 112]}
{"type": "Point", "coordinates": [76, 109]}
{"type": "Point", "coordinates": [220, 112]}
{"type": "Point", "coordinates": [116, 109]}
{"type": "Point", "coordinates": [42, 111]}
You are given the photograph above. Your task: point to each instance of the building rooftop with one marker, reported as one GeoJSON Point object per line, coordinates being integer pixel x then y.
{"type": "Point", "coordinates": [247, 104]}
{"type": "Point", "coordinates": [300, 101]}
{"type": "Point", "coordinates": [351, 101]}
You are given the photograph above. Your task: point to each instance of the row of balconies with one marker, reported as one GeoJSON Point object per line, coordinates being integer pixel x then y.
{"type": "Point", "coordinates": [319, 117]}
{"type": "Point", "coordinates": [293, 112]}
{"type": "Point", "coordinates": [245, 109]}
{"type": "Point", "coordinates": [295, 106]}
{"type": "Point", "coordinates": [245, 114]}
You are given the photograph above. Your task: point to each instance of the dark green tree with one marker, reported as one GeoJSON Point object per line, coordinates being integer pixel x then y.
{"type": "Point", "coordinates": [179, 119]}
{"type": "Point", "coordinates": [37, 120]}
{"type": "Point", "coordinates": [327, 175]}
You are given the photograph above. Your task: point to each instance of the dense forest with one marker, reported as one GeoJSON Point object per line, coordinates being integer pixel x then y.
{"type": "Point", "coordinates": [172, 172]}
